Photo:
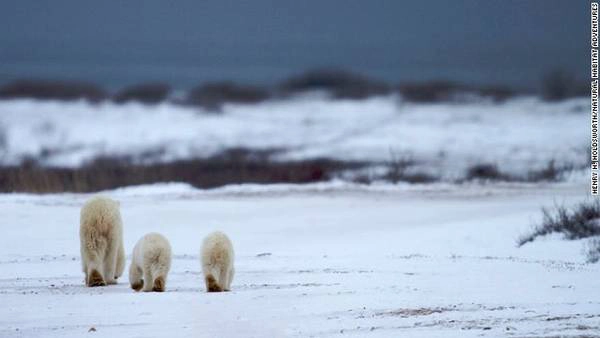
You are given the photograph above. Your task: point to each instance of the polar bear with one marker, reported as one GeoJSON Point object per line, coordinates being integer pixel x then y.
{"type": "Point", "coordinates": [150, 263]}
{"type": "Point", "coordinates": [101, 236]}
{"type": "Point", "coordinates": [217, 262]}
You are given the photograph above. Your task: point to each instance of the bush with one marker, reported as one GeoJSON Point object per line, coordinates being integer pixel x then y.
{"type": "Point", "coordinates": [559, 85]}
{"type": "Point", "coordinates": [398, 170]}
{"type": "Point", "coordinates": [214, 95]}
{"type": "Point", "coordinates": [52, 90]}
{"type": "Point", "coordinates": [443, 91]}
{"type": "Point", "coordinates": [428, 92]}
{"type": "Point", "coordinates": [339, 83]}
{"type": "Point", "coordinates": [419, 177]}
{"type": "Point", "coordinates": [397, 166]}
{"type": "Point", "coordinates": [581, 221]}
{"type": "Point", "coordinates": [487, 172]}
{"type": "Point", "coordinates": [146, 93]}
{"type": "Point", "coordinates": [550, 173]}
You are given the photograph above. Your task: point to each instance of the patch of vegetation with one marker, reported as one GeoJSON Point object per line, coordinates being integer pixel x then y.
{"type": "Point", "coordinates": [496, 93]}
{"type": "Point", "coordinates": [52, 90]}
{"type": "Point", "coordinates": [490, 172]}
{"type": "Point", "coordinates": [550, 173]}
{"type": "Point", "coordinates": [444, 91]}
{"type": "Point", "coordinates": [149, 93]}
{"type": "Point", "coordinates": [233, 166]}
{"type": "Point", "coordinates": [559, 85]}
{"type": "Point", "coordinates": [214, 95]}
{"type": "Point", "coordinates": [486, 171]}
{"type": "Point", "coordinates": [580, 221]}
{"type": "Point", "coordinates": [398, 170]}
{"type": "Point", "coordinates": [341, 84]}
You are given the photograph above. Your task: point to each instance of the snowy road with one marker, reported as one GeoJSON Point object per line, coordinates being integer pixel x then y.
{"type": "Point", "coordinates": [320, 260]}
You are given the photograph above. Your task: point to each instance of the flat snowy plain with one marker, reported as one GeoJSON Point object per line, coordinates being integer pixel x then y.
{"type": "Point", "coordinates": [321, 260]}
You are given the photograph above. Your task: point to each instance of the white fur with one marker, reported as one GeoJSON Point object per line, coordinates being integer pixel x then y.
{"type": "Point", "coordinates": [151, 261]}
{"type": "Point", "coordinates": [101, 236]}
{"type": "Point", "coordinates": [217, 261]}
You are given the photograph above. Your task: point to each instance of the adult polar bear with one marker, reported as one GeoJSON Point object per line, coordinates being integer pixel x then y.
{"type": "Point", "coordinates": [101, 235]}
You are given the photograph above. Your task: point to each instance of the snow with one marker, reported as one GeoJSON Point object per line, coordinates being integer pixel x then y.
{"type": "Point", "coordinates": [519, 135]}
{"type": "Point", "coordinates": [326, 259]}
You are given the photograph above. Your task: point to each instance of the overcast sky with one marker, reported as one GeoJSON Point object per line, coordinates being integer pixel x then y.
{"type": "Point", "coordinates": [262, 40]}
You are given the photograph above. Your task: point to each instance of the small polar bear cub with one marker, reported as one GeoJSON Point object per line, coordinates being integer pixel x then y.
{"type": "Point", "coordinates": [150, 263]}
{"type": "Point", "coordinates": [101, 236]}
{"type": "Point", "coordinates": [217, 262]}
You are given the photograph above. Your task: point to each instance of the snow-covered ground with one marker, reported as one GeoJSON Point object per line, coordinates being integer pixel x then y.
{"type": "Point", "coordinates": [519, 135]}
{"type": "Point", "coordinates": [320, 260]}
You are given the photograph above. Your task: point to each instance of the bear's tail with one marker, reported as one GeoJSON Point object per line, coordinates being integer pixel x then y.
{"type": "Point", "coordinates": [212, 285]}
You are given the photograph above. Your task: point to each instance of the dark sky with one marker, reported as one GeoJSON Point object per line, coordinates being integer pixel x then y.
{"type": "Point", "coordinates": [185, 42]}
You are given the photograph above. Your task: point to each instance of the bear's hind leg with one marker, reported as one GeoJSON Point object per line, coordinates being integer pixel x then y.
{"type": "Point", "coordinates": [95, 278]}
{"type": "Point", "coordinates": [120, 261]}
{"type": "Point", "coordinates": [110, 263]}
{"type": "Point", "coordinates": [229, 279]}
{"type": "Point", "coordinates": [147, 278]}
{"type": "Point", "coordinates": [211, 284]}
{"type": "Point", "coordinates": [224, 279]}
{"type": "Point", "coordinates": [159, 284]}
{"type": "Point", "coordinates": [135, 277]}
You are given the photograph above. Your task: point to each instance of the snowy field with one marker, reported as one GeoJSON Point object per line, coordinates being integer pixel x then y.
{"type": "Point", "coordinates": [319, 260]}
{"type": "Point", "coordinates": [520, 134]}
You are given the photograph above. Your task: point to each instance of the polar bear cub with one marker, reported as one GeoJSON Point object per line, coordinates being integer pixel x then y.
{"type": "Point", "coordinates": [150, 263]}
{"type": "Point", "coordinates": [101, 236]}
{"type": "Point", "coordinates": [217, 262]}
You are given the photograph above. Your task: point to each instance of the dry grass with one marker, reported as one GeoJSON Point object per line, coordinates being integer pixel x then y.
{"type": "Point", "coordinates": [230, 167]}
{"type": "Point", "coordinates": [581, 221]}
{"type": "Point", "coordinates": [56, 90]}
{"type": "Point", "coordinates": [214, 95]}
{"type": "Point", "coordinates": [578, 222]}
{"type": "Point", "coordinates": [149, 93]}
{"type": "Point", "coordinates": [341, 84]}
{"type": "Point", "coordinates": [559, 84]}
{"type": "Point", "coordinates": [399, 170]}
{"type": "Point", "coordinates": [444, 91]}
{"type": "Point", "coordinates": [486, 171]}
{"type": "Point", "coordinates": [490, 172]}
